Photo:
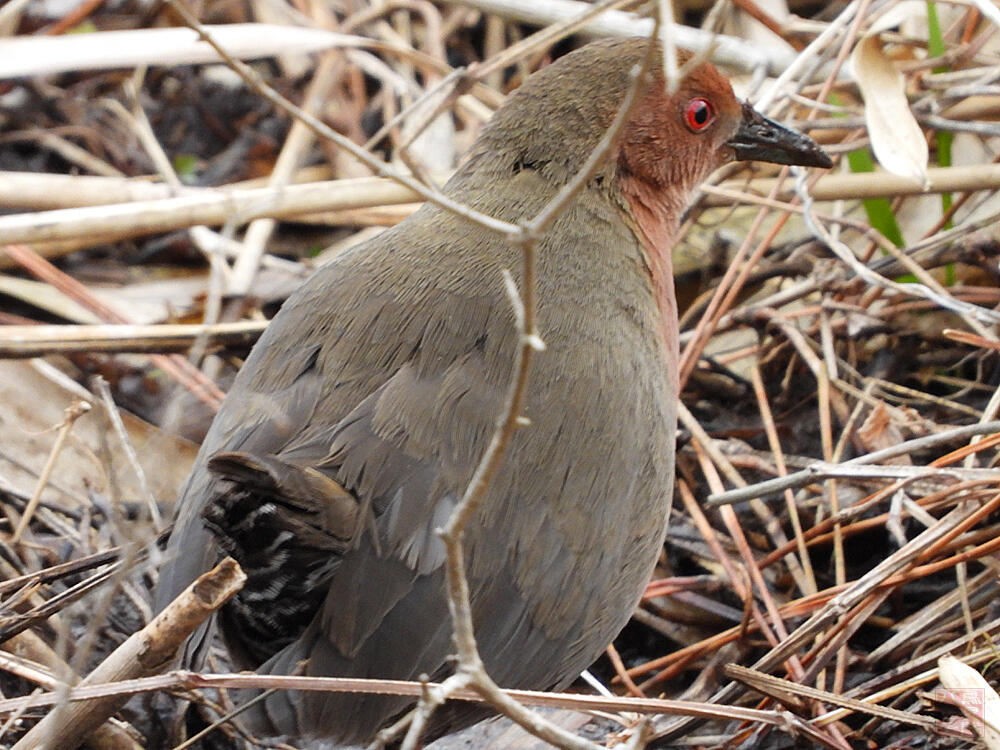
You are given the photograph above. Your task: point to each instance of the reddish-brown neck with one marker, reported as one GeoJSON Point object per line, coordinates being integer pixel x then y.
{"type": "Point", "coordinates": [656, 220]}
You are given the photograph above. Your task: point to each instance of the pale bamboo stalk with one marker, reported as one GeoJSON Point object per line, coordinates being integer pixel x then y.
{"type": "Point", "coordinates": [126, 48]}
{"type": "Point", "coordinates": [45, 191]}
{"type": "Point", "coordinates": [219, 205]}
{"type": "Point", "coordinates": [37, 341]}
{"type": "Point", "coordinates": [215, 207]}
{"type": "Point", "coordinates": [144, 653]}
{"type": "Point", "coordinates": [30, 658]}
{"type": "Point", "coordinates": [726, 50]}
{"type": "Point", "coordinates": [883, 184]}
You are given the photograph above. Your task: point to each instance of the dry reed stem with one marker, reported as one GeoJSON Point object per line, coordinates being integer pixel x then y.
{"type": "Point", "coordinates": [143, 653]}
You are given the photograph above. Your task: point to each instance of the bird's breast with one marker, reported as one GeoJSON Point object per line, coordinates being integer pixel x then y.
{"type": "Point", "coordinates": [582, 504]}
{"type": "Point", "coordinates": [654, 222]}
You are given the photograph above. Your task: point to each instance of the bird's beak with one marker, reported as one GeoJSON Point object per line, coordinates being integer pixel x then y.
{"type": "Point", "coordinates": [766, 140]}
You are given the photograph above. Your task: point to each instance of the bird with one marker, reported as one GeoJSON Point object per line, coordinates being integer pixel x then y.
{"type": "Point", "coordinates": [357, 420]}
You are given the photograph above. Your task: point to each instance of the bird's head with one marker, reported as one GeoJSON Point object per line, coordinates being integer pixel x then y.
{"type": "Point", "coordinates": [670, 142]}
{"type": "Point", "coordinates": [679, 139]}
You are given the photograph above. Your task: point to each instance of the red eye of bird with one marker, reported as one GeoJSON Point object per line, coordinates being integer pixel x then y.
{"type": "Point", "coordinates": [699, 114]}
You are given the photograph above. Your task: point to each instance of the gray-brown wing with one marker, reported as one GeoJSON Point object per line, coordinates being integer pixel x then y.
{"type": "Point", "coordinates": [382, 611]}
{"type": "Point", "coordinates": [250, 421]}
{"type": "Point", "coordinates": [375, 481]}
{"type": "Point", "coordinates": [338, 340]}
{"type": "Point", "coordinates": [398, 428]}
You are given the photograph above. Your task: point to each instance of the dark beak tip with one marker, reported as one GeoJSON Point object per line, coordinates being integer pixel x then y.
{"type": "Point", "coordinates": [818, 158]}
{"type": "Point", "coordinates": [763, 139]}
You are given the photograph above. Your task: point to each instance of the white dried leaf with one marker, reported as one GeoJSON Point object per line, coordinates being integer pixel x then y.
{"type": "Point", "coordinates": [896, 138]}
{"type": "Point", "coordinates": [989, 9]}
{"type": "Point", "coordinates": [974, 696]}
{"type": "Point", "coordinates": [46, 297]}
{"type": "Point", "coordinates": [899, 14]}
{"type": "Point", "coordinates": [434, 147]}
{"type": "Point", "coordinates": [100, 50]}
